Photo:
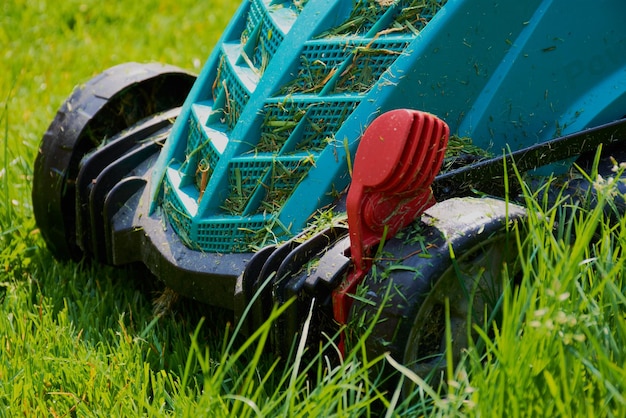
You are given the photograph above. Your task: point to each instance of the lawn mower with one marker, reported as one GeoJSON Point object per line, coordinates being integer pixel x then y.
{"type": "Point", "coordinates": [353, 158]}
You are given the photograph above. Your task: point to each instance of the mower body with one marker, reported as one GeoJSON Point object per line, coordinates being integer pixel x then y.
{"type": "Point", "coordinates": [267, 135]}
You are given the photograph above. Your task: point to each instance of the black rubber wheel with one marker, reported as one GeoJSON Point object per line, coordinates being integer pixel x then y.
{"type": "Point", "coordinates": [419, 274]}
{"type": "Point", "coordinates": [95, 111]}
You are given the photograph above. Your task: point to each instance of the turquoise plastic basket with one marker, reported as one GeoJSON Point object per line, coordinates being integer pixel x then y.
{"type": "Point", "coordinates": [265, 137]}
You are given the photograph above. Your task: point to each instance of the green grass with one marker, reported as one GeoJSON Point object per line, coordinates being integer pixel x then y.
{"type": "Point", "coordinates": [559, 348]}
{"type": "Point", "coordinates": [80, 340]}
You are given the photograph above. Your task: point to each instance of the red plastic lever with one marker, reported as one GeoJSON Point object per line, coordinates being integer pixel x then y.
{"type": "Point", "coordinates": [396, 162]}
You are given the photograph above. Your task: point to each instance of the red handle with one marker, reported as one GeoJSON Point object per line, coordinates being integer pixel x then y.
{"type": "Point", "coordinates": [396, 162]}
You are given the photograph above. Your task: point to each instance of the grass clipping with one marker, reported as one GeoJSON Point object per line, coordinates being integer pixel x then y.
{"type": "Point", "coordinates": [462, 151]}
{"type": "Point", "coordinates": [412, 16]}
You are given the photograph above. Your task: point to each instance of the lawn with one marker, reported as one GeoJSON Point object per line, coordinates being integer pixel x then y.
{"type": "Point", "coordinates": [82, 340]}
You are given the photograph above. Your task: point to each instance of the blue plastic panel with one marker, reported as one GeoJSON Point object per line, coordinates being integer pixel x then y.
{"type": "Point", "coordinates": [269, 129]}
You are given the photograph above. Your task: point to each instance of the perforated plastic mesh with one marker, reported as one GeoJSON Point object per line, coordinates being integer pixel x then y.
{"type": "Point", "coordinates": [324, 117]}
{"type": "Point", "coordinates": [286, 173]}
{"type": "Point", "coordinates": [334, 72]}
{"type": "Point", "coordinates": [368, 64]}
{"type": "Point", "coordinates": [229, 91]}
{"type": "Point", "coordinates": [270, 36]}
{"type": "Point", "coordinates": [245, 175]}
{"type": "Point", "coordinates": [360, 62]}
{"type": "Point", "coordinates": [365, 14]}
{"type": "Point", "coordinates": [196, 138]}
{"type": "Point", "coordinates": [199, 146]}
{"type": "Point", "coordinates": [319, 119]}
{"type": "Point", "coordinates": [414, 15]}
{"type": "Point", "coordinates": [279, 122]}
{"type": "Point", "coordinates": [223, 235]}
{"type": "Point", "coordinates": [202, 157]}
{"type": "Point", "coordinates": [403, 16]}
{"type": "Point", "coordinates": [177, 214]}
